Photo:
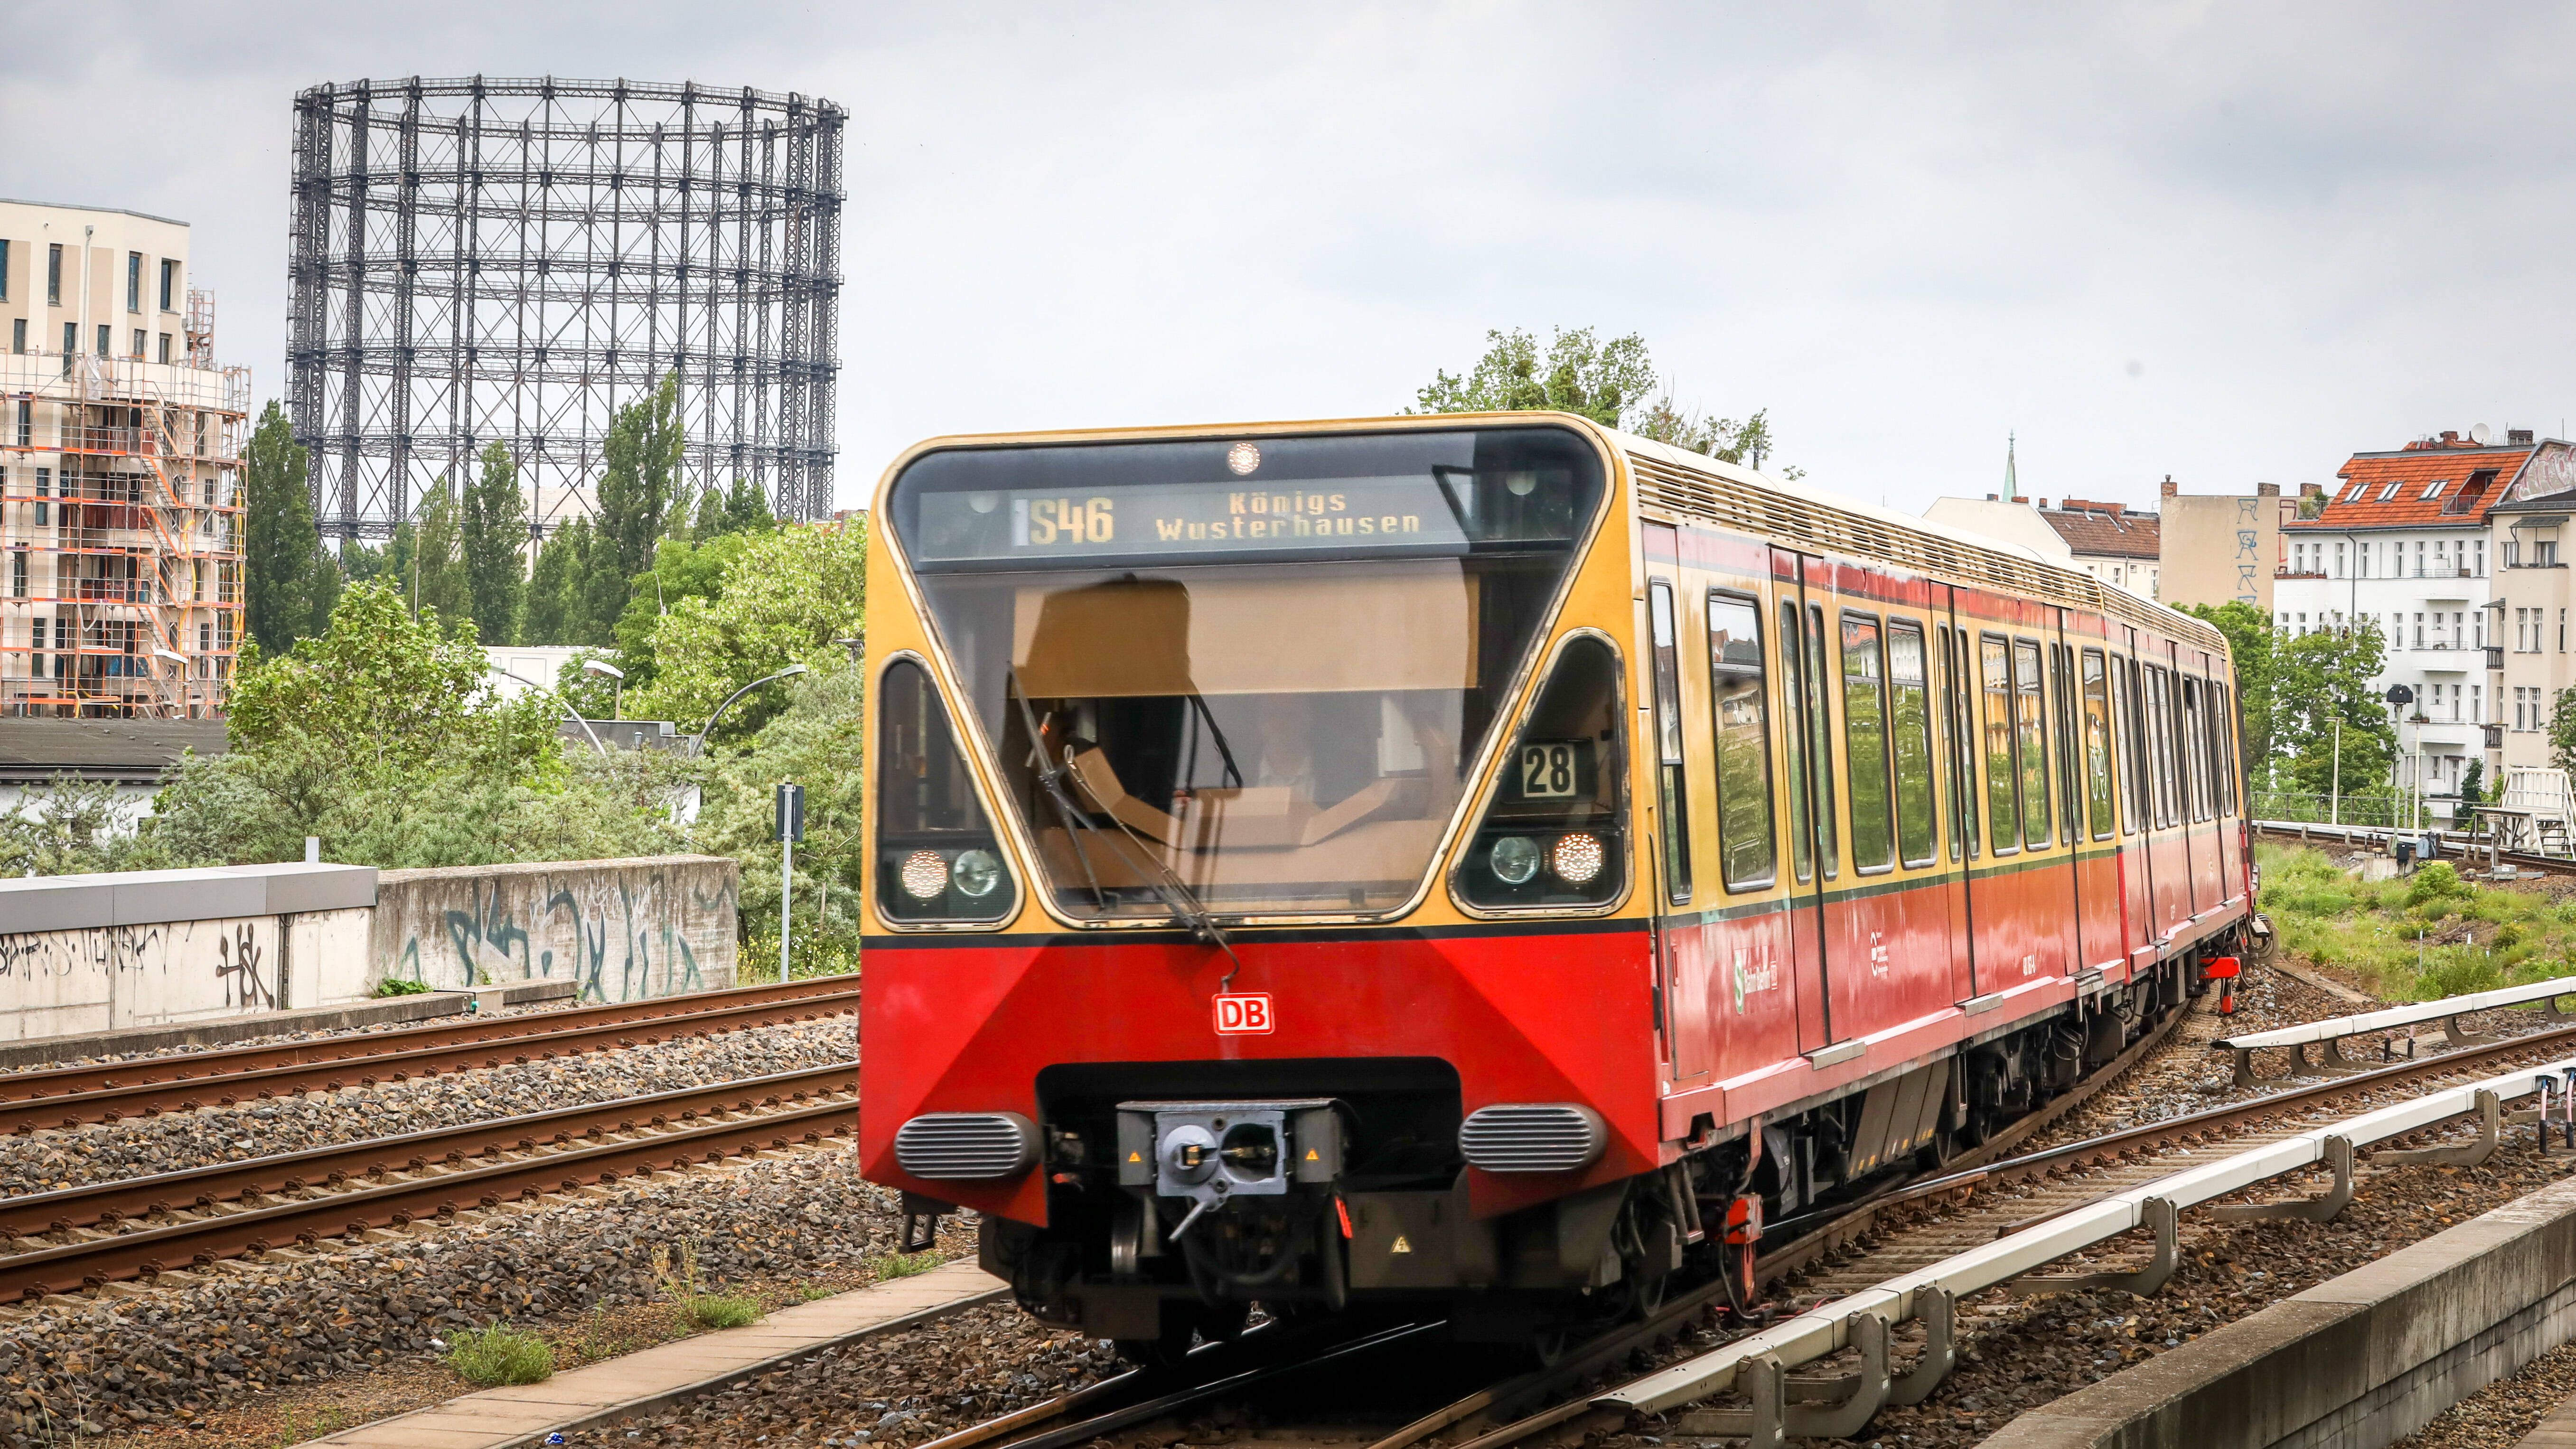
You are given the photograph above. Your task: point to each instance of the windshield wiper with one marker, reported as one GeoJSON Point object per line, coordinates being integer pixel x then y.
{"type": "Point", "coordinates": [1168, 883]}
{"type": "Point", "coordinates": [1217, 733]}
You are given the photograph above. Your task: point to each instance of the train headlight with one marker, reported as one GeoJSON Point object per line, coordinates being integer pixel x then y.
{"type": "Point", "coordinates": [1577, 858]}
{"type": "Point", "coordinates": [976, 873]}
{"type": "Point", "coordinates": [925, 875]}
{"type": "Point", "coordinates": [1514, 859]}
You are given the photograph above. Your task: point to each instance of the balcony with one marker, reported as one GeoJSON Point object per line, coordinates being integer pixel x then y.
{"type": "Point", "coordinates": [2495, 736]}
{"type": "Point", "coordinates": [2462, 734]}
{"type": "Point", "coordinates": [2495, 656]}
{"type": "Point", "coordinates": [2446, 661]}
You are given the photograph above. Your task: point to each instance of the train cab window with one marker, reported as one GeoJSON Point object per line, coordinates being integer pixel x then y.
{"type": "Point", "coordinates": [1910, 726]}
{"type": "Point", "coordinates": [1673, 796]}
{"type": "Point", "coordinates": [1554, 834]}
{"type": "Point", "coordinates": [937, 858]}
{"type": "Point", "coordinates": [2003, 800]}
{"type": "Point", "coordinates": [2097, 745]}
{"type": "Point", "coordinates": [1747, 851]}
{"type": "Point", "coordinates": [2031, 715]}
{"type": "Point", "coordinates": [1865, 745]}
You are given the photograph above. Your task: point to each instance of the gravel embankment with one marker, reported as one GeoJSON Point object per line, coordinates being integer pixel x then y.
{"type": "Point", "coordinates": [141, 1146]}
{"type": "Point", "coordinates": [2497, 1416]}
{"type": "Point", "coordinates": [891, 1389]}
{"type": "Point", "coordinates": [170, 1352]}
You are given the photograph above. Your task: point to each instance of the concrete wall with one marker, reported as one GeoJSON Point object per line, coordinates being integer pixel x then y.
{"type": "Point", "coordinates": [149, 948]}
{"type": "Point", "coordinates": [620, 929]}
{"type": "Point", "coordinates": [2218, 549]}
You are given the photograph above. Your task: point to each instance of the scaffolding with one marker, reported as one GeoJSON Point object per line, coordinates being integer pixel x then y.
{"type": "Point", "coordinates": [121, 520]}
{"type": "Point", "coordinates": [484, 259]}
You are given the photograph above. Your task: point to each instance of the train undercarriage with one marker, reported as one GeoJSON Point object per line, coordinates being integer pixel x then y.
{"type": "Point", "coordinates": [1183, 1194]}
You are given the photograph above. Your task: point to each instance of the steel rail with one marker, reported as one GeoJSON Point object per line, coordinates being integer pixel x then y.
{"type": "Point", "coordinates": [432, 1192]}
{"type": "Point", "coordinates": [76, 1096]}
{"type": "Point", "coordinates": [106, 1204]}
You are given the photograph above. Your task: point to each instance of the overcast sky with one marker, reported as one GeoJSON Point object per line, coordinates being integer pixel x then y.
{"type": "Point", "coordinates": [2226, 243]}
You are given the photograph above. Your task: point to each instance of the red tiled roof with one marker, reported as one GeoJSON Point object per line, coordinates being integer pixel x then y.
{"type": "Point", "coordinates": [2103, 529]}
{"type": "Point", "coordinates": [2472, 479]}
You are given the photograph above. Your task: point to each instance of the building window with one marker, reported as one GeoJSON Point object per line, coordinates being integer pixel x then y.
{"type": "Point", "coordinates": [2544, 553]}
{"type": "Point", "coordinates": [54, 275]}
{"type": "Point", "coordinates": [2482, 558]}
{"type": "Point", "coordinates": [71, 338]}
{"type": "Point", "coordinates": [18, 573]}
{"type": "Point", "coordinates": [134, 281]}
{"type": "Point", "coordinates": [18, 336]}
{"type": "Point", "coordinates": [2419, 631]}
{"type": "Point", "coordinates": [138, 344]}
{"type": "Point", "coordinates": [165, 347]}
{"type": "Point", "coordinates": [4, 270]}
{"type": "Point", "coordinates": [105, 346]}
{"type": "Point", "coordinates": [169, 284]}
{"type": "Point", "coordinates": [2389, 493]}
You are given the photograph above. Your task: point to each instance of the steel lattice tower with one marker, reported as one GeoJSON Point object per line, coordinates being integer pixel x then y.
{"type": "Point", "coordinates": [515, 259]}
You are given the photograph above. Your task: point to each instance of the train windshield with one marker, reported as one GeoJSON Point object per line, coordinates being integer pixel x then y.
{"type": "Point", "coordinates": [1259, 670]}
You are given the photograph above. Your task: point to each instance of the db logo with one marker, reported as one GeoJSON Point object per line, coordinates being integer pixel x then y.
{"type": "Point", "coordinates": [1245, 1015]}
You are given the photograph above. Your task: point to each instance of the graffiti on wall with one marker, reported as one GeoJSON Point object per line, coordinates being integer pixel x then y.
{"type": "Point", "coordinates": [144, 973]}
{"type": "Point", "coordinates": [2249, 549]}
{"type": "Point", "coordinates": [619, 932]}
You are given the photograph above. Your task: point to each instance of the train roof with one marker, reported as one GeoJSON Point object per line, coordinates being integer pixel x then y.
{"type": "Point", "coordinates": [1694, 485]}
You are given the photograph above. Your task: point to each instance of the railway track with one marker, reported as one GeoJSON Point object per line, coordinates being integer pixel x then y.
{"type": "Point", "coordinates": [1516, 1410]}
{"type": "Point", "coordinates": [2456, 844]}
{"type": "Point", "coordinates": [88, 1237]}
{"type": "Point", "coordinates": [67, 1097]}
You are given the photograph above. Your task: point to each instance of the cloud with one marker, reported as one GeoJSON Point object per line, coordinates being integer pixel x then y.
{"type": "Point", "coordinates": [2228, 243]}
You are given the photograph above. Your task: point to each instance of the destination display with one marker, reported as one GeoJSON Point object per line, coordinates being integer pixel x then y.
{"type": "Point", "coordinates": [1414, 514]}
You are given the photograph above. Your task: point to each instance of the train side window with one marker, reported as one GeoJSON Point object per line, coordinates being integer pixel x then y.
{"type": "Point", "coordinates": [937, 856]}
{"type": "Point", "coordinates": [2160, 738]}
{"type": "Point", "coordinates": [1555, 833]}
{"type": "Point", "coordinates": [1865, 744]}
{"type": "Point", "coordinates": [1963, 747]}
{"type": "Point", "coordinates": [1672, 795]}
{"type": "Point", "coordinates": [2003, 799]}
{"type": "Point", "coordinates": [2223, 734]}
{"type": "Point", "coordinates": [2032, 717]}
{"type": "Point", "coordinates": [2097, 745]}
{"type": "Point", "coordinates": [1748, 853]}
{"type": "Point", "coordinates": [2124, 723]}
{"type": "Point", "coordinates": [1910, 722]}
{"type": "Point", "coordinates": [1802, 823]}
{"type": "Point", "coordinates": [2204, 772]}
{"type": "Point", "coordinates": [2061, 685]}
{"type": "Point", "coordinates": [1820, 734]}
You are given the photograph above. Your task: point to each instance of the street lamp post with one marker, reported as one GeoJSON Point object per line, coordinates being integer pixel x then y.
{"type": "Point", "coordinates": [568, 709]}
{"type": "Point", "coordinates": [698, 742]}
{"type": "Point", "coordinates": [602, 669]}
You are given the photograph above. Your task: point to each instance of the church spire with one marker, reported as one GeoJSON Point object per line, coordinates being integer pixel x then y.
{"type": "Point", "coordinates": [2012, 486]}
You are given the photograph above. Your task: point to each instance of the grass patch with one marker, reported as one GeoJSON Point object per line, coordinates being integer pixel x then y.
{"type": "Point", "coordinates": [396, 986]}
{"type": "Point", "coordinates": [2417, 937]}
{"type": "Point", "coordinates": [903, 1265]}
{"type": "Point", "coordinates": [490, 1357]}
{"type": "Point", "coordinates": [699, 1308]}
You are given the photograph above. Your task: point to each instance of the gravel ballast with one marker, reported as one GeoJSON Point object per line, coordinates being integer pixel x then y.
{"type": "Point", "coordinates": [170, 1350]}
{"type": "Point", "coordinates": [172, 1141]}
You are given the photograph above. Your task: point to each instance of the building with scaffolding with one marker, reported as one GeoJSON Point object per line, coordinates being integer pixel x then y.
{"type": "Point", "coordinates": [120, 471]}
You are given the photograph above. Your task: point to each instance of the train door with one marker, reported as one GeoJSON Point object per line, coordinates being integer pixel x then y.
{"type": "Point", "coordinates": [2069, 787]}
{"type": "Point", "coordinates": [1806, 727]}
{"type": "Point", "coordinates": [1680, 939]}
{"type": "Point", "coordinates": [2137, 861]}
{"type": "Point", "coordinates": [1958, 779]}
{"type": "Point", "coordinates": [2001, 896]}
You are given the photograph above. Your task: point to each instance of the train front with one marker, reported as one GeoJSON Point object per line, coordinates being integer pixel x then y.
{"type": "Point", "coordinates": [1251, 844]}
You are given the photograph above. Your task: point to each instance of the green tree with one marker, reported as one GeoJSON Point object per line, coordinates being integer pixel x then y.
{"type": "Point", "coordinates": [556, 612]}
{"type": "Point", "coordinates": [2251, 641]}
{"type": "Point", "coordinates": [637, 498]}
{"type": "Point", "coordinates": [2562, 730]}
{"type": "Point", "coordinates": [2321, 680]}
{"type": "Point", "coordinates": [492, 531]}
{"type": "Point", "coordinates": [2473, 782]}
{"type": "Point", "coordinates": [681, 570]}
{"type": "Point", "coordinates": [439, 583]}
{"type": "Point", "coordinates": [1613, 383]}
{"type": "Point", "coordinates": [289, 583]}
{"type": "Point", "coordinates": [738, 510]}
{"type": "Point", "coordinates": [788, 597]}
{"type": "Point", "coordinates": [814, 739]}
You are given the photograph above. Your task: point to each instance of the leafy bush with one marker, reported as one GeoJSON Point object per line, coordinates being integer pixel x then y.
{"type": "Point", "coordinates": [396, 986]}
{"type": "Point", "coordinates": [488, 1357]}
{"type": "Point", "coordinates": [2437, 882]}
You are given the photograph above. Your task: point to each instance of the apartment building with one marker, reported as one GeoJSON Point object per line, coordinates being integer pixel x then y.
{"type": "Point", "coordinates": [2403, 542]}
{"type": "Point", "coordinates": [120, 471]}
{"type": "Point", "coordinates": [2109, 542]}
{"type": "Point", "coordinates": [2528, 662]}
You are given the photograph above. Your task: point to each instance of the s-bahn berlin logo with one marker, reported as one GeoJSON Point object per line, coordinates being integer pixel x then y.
{"type": "Point", "coordinates": [1751, 976]}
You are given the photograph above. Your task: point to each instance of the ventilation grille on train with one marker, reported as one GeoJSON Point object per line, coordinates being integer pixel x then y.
{"type": "Point", "coordinates": [1531, 1137]}
{"type": "Point", "coordinates": [1748, 508]}
{"type": "Point", "coordinates": [965, 1146]}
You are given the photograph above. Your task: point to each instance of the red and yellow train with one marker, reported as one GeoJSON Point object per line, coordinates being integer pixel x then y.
{"type": "Point", "coordinates": [1486, 857]}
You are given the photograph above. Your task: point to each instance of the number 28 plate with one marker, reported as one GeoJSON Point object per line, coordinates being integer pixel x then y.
{"type": "Point", "coordinates": [1247, 1014]}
